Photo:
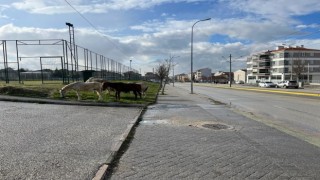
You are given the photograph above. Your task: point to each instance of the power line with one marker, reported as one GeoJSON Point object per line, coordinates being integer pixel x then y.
{"type": "Point", "coordinates": [96, 29]}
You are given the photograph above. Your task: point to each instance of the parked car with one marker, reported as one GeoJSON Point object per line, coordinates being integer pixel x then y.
{"type": "Point", "coordinates": [267, 84]}
{"type": "Point", "coordinates": [288, 84]}
{"type": "Point", "coordinates": [240, 82]}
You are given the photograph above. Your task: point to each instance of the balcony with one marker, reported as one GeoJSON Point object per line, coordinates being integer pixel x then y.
{"type": "Point", "coordinates": [262, 74]}
{"type": "Point", "coordinates": [264, 67]}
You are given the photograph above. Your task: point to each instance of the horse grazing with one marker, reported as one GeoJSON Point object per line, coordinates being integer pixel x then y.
{"type": "Point", "coordinates": [142, 88]}
{"type": "Point", "coordinates": [123, 87]}
{"type": "Point", "coordinates": [100, 80]}
{"type": "Point", "coordinates": [82, 86]}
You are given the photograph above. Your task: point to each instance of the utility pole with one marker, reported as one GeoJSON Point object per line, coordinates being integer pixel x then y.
{"type": "Point", "coordinates": [308, 73]}
{"type": "Point", "coordinates": [130, 70]}
{"type": "Point", "coordinates": [230, 71]}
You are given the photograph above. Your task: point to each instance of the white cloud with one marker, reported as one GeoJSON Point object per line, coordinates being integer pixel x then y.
{"type": "Point", "coordinates": [276, 10]}
{"type": "Point", "coordinates": [304, 26]}
{"type": "Point", "coordinates": [155, 39]}
{"type": "Point", "coordinates": [60, 6]}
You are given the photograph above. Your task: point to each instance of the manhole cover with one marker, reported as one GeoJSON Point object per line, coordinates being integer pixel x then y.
{"type": "Point", "coordinates": [215, 126]}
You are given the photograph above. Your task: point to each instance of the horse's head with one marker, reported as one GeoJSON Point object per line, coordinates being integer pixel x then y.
{"type": "Point", "coordinates": [105, 85]}
{"type": "Point", "coordinates": [62, 92]}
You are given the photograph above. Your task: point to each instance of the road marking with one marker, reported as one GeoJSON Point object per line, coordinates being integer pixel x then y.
{"type": "Point", "coordinates": [273, 91]}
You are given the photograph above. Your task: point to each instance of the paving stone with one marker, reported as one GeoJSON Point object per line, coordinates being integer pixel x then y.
{"type": "Point", "coordinates": [170, 144]}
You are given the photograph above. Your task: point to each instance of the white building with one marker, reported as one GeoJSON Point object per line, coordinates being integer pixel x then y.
{"type": "Point", "coordinates": [202, 74]}
{"type": "Point", "coordinates": [240, 75]}
{"type": "Point", "coordinates": [285, 63]}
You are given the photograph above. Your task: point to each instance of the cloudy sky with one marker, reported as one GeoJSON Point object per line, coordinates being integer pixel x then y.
{"type": "Point", "coordinates": [150, 31]}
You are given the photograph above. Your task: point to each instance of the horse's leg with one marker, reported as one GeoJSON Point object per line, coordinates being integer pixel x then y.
{"type": "Point", "coordinates": [118, 95]}
{"type": "Point", "coordinates": [100, 97]}
{"type": "Point", "coordinates": [135, 94]}
{"type": "Point", "coordinates": [79, 97]}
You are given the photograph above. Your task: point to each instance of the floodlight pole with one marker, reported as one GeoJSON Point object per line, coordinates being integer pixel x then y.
{"type": "Point", "coordinates": [192, 51]}
{"type": "Point", "coordinates": [72, 48]}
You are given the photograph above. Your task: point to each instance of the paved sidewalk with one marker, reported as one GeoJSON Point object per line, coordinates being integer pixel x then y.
{"type": "Point", "coordinates": [182, 137]}
{"type": "Point", "coordinates": [56, 139]}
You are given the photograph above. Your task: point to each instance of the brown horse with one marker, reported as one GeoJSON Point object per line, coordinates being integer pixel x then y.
{"type": "Point", "coordinates": [100, 80]}
{"type": "Point", "coordinates": [124, 87]}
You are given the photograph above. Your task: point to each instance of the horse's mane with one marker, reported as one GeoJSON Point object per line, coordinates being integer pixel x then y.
{"type": "Point", "coordinates": [90, 79]}
{"type": "Point", "coordinates": [94, 79]}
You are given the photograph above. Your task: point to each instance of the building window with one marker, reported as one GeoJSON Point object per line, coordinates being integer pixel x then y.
{"type": "Point", "coordinates": [286, 54]}
{"type": "Point", "coordinates": [286, 70]}
{"type": "Point", "coordinates": [276, 77]}
{"type": "Point", "coordinates": [296, 54]}
{"type": "Point", "coordinates": [281, 55]}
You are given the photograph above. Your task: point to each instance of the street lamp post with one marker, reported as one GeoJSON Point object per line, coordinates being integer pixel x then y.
{"type": "Point", "coordinates": [192, 51]}
{"type": "Point", "coordinates": [173, 64]}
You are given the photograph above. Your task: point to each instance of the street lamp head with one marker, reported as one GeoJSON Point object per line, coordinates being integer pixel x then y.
{"type": "Point", "coordinates": [69, 24]}
{"type": "Point", "coordinates": [206, 19]}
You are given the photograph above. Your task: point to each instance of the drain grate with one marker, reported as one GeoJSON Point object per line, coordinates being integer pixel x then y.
{"type": "Point", "coordinates": [215, 126]}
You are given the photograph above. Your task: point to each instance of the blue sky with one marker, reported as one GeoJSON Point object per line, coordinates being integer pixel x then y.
{"type": "Point", "coordinates": [148, 32]}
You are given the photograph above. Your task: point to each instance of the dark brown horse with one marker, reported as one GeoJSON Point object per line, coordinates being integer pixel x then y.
{"type": "Point", "coordinates": [119, 87]}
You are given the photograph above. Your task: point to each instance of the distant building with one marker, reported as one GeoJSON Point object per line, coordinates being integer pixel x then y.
{"type": "Point", "coordinates": [35, 75]}
{"type": "Point", "coordinates": [182, 78]}
{"type": "Point", "coordinates": [285, 63]}
{"type": "Point", "coordinates": [202, 75]}
{"type": "Point", "coordinates": [150, 76]}
{"type": "Point", "coordinates": [240, 75]}
{"type": "Point", "coordinates": [222, 77]}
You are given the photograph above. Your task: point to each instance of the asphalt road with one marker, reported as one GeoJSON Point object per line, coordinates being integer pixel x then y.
{"type": "Point", "coordinates": [43, 141]}
{"type": "Point", "coordinates": [296, 115]}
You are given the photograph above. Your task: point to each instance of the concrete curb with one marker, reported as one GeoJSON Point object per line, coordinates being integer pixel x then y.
{"type": "Point", "coordinates": [101, 173]}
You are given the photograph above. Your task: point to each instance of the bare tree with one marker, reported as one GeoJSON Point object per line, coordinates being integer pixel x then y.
{"type": "Point", "coordinates": [298, 67]}
{"type": "Point", "coordinates": [163, 71]}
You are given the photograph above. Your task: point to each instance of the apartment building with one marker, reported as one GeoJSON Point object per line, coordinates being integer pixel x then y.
{"type": "Point", "coordinates": [203, 74]}
{"type": "Point", "coordinates": [182, 78]}
{"type": "Point", "coordinates": [285, 63]}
